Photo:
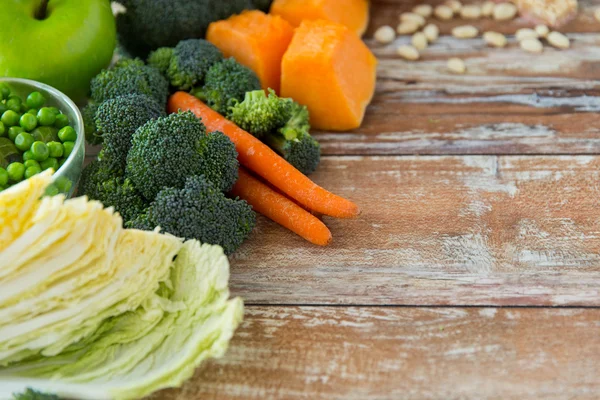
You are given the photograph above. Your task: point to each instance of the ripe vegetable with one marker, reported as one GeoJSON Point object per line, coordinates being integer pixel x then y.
{"type": "Point", "coordinates": [91, 311]}
{"type": "Point", "coordinates": [160, 59]}
{"type": "Point", "coordinates": [280, 209]}
{"type": "Point", "coordinates": [352, 13]}
{"type": "Point", "coordinates": [149, 24]}
{"type": "Point", "coordinates": [226, 83]}
{"type": "Point", "coordinates": [129, 76]}
{"type": "Point", "coordinates": [339, 86]}
{"type": "Point", "coordinates": [256, 40]}
{"type": "Point", "coordinates": [260, 114]}
{"type": "Point", "coordinates": [168, 150]}
{"type": "Point", "coordinates": [117, 120]}
{"type": "Point", "coordinates": [263, 161]}
{"type": "Point", "coordinates": [201, 211]}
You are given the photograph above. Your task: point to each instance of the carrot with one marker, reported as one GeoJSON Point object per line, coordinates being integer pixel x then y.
{"type": "Point", "coordinates": [280, 209]}
{"type": "Point", "coordinates": [263, 161]}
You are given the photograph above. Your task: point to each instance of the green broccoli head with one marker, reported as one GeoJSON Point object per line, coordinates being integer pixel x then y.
{"type": "Point", "coordinates": [226, 84]}
{"type": "Point", "coordinates": [167, 150]}
{"type": "Point", "coordinates": [160, 59]}
{"type": "Point", "coordinates": [201, 211]}
{"type": "Point", "coordinates": [31, 394]}
{"type": "Point", "coordinates": [129, 76]}
{"type": "Point", "coordinates": [294, 142]}
{"type": "Point", "coordinates": [97, 183]}
{"type": "Point", "coordinates": [149, 24]}
{"type": "Point", "coordinates": [260, 114]}
{"type": "Point", "coordinates": [117, 120]}
{"type": "Point", "coordinates": [141, 222]}
{"type": "Point", "coordinates": [88, 114]}
{"type": "Point", "coordinates": [190, 63]}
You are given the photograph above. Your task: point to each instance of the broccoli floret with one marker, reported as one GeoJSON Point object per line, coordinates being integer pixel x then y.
{"type": "Point", "coordinates": [160, 59]}
{"type": "Point", "coordinates": [201, 211]}
{"type": "Point", "coordinates": [141, 222]}
{"type": "Point", "coordinates": [31, 394]}
{"type": "Point", "coordinates": [259, 114]}
{"type": "Point", "coordinates": [149, 24]}
{"type": "Point", "coordinates": [88, 114]}
{"type": "Point", "coordinates": [190, 63]}
{"type": "Point", "coordinates": [117, 120]}
{"type": "Point", "coordinates": [294, 142]}
{"type": "Point", "coordinates": [97, 183]}
{"type": "Point", "coordinates": [226, 84]}
{"type": "Point", "coordinates": [167, 150]}
{"type": "Point", "coordinates": [129, 76]}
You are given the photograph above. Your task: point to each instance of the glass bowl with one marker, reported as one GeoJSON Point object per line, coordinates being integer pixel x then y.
{"type": "Point", "coordinates": [66, 178]}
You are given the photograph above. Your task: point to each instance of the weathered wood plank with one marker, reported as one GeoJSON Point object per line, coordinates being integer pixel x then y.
{"type": "Point", "coordinates": [405, 353]}
{"type": "Point", "coordinates": [472, 230]}
{"type": "Point", "coordinates": [509, 102]}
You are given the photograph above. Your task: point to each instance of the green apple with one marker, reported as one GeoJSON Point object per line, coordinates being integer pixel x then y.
{"type": "Point", "coordinates": [63, 43]}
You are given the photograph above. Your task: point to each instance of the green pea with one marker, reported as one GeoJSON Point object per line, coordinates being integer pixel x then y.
{"type": "Point", "coordinates": [40, 151]}
{"type": "Point", "coordinates": [68, 146]}
{"type": "Point", "coordinates": [2, 107]}
{"type": "Point", "coordinates": [3, 177]}
{"type": "Point", "coordinates": [46, 117]}
{"type": "Point", "coordinates": [15, 171]}
{"type": "Point", "coordinates": [31, 163]}
{"type": "Point", "coordinates": [55, 110]}
{"type": "Point", "coordinates": [49, 163]}
{"type": "Point", "coordinates": [4, 91]}
{"type": "Point", "coordinates": [35, 100]}
{"type": "Point", "coordinates": [10, 118]}
{"type": "Point", "coordinates": [2, 129]}
{"type": "Point", "coordinates": [33, 111]}
{"type": "Point", "coordinates": [14, 131]}
{"type": "Point", "coordinates": [51, 190]}
{"type": "Point", "coordinates": [31, 171]}
{"type": "Point", "coordinates": [61, 121]}
{"type": "Point", "coordinates": [28, 155]}
{"type": "Point", "coordinates": [63, 184]}
{"type": "Point", "coordinates": [23, 108]}
{"type": "Point", "coordinates": [67, 134]}
{"type": "Point", "coordinates": [14, 103]}
{"type": "Point", "coordinates": [23, 141]}
{"type": "Point", "coordinates": [56, 149]}
{"type": "Point", "coordinates": [28, 122]}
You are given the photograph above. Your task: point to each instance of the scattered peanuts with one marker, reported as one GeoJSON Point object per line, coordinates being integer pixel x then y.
{"type": "Point", "coordinates": [487, 9]}
{"type": "Point", "coordinates": [385, 34]}
{"type": "Point", "coordinates": [495, 39]}
{"type": "Point", "coordinates": [526, 33]}
{"type": "Point", "coordinates": [465, 32]}
{"type": "Point", "coordinates": [419, 41]}
{"type": "Point", "coordinates": [432, 32]}
{"type": "Point", "coordinates": [408, 52]}
{"type": "Point", "coordinates": [597, 14]}
{"type": "Point", "coordinates": [444, 13]}
{"type": "Point", "coordinates": [408, 16]}
{"type": "Point", "coordinates": [471, 11]}
{"type": "Point", "coordinates": [542, 30]}
{"type": "Point", "coordinates": [454, 5]}
{"type": "Point", "coordinates": [457, 65]}
{"type": "Point", "coordinates": [532, 45]}
{"type": "Point", "coordinates": [558, 40]}
{"type": "Point", "coordinates": [424, 10]}
{"type": "Point", "coordinates": [407, 28]}
{"type": "Point", "coordinates": [504, 11]}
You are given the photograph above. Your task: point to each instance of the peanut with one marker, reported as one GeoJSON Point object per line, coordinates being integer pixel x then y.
{"type": "Point", "coordinates": [419, 41]}
{"type": "Point", "coordinates": [532, 45]}
{"type": "Point", "coordinates": [444, 13]}
{"type": "Point", "coordinates": [487, 9]}
{"type": "Point", "coordinates": [525, 33]}
{"type": "Point", "coordinates": [408, 16]}
{"type": "Point", "coordinates": [408, 52]}
{"type": "Point", "coordinates": [456, 65]}
{"type": "Point", "coordinates": [504, 11]}
{"type": "Point", "coordinates": [385, 34]}
{"type": "Point", "coordinates": [470, 12]}
{"type": "Point", "coordinates": [542, 30]}
{"type": "Point", "coordinates": [495, 39]}
{"type": "Point", "coordinates": [465, 32]}
{"type": "Point", "coordinates": [455, 5]}
{"type": "Point", "coordinates": [597, 14]}
{"type": "Point", "coordinates": [424, 10]}
{"type": "Point", "coordinates": [407, 27]}
{"type": "Point", "coordinates": [559, 40]}
{"type": "Point", "coordinates": [432, 32]}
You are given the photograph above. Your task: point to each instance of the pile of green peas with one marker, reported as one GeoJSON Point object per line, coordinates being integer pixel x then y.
{"type": "Point", "coordinates": [33, 138]}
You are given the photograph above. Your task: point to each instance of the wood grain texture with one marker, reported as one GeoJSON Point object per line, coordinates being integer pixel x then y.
{"type": "Point", "coordinates": [509, 102]}
{"type": "Point", "coordinates": [470, 230]}
{"type": "Point", "coordinates": [405, 353]}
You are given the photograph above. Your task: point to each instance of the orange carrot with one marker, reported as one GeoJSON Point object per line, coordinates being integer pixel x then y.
{"type": "Point", "coordinates": [263, 161]}
{"type": "Point", "coordinates": [280, 209]}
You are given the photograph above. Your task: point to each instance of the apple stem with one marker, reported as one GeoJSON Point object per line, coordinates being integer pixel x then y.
{"type": "Point", "coordinates": [41, 10]}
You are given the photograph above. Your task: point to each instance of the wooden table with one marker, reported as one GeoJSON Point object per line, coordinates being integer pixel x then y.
{"type": "Point", "coordinates": [474, 270]}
